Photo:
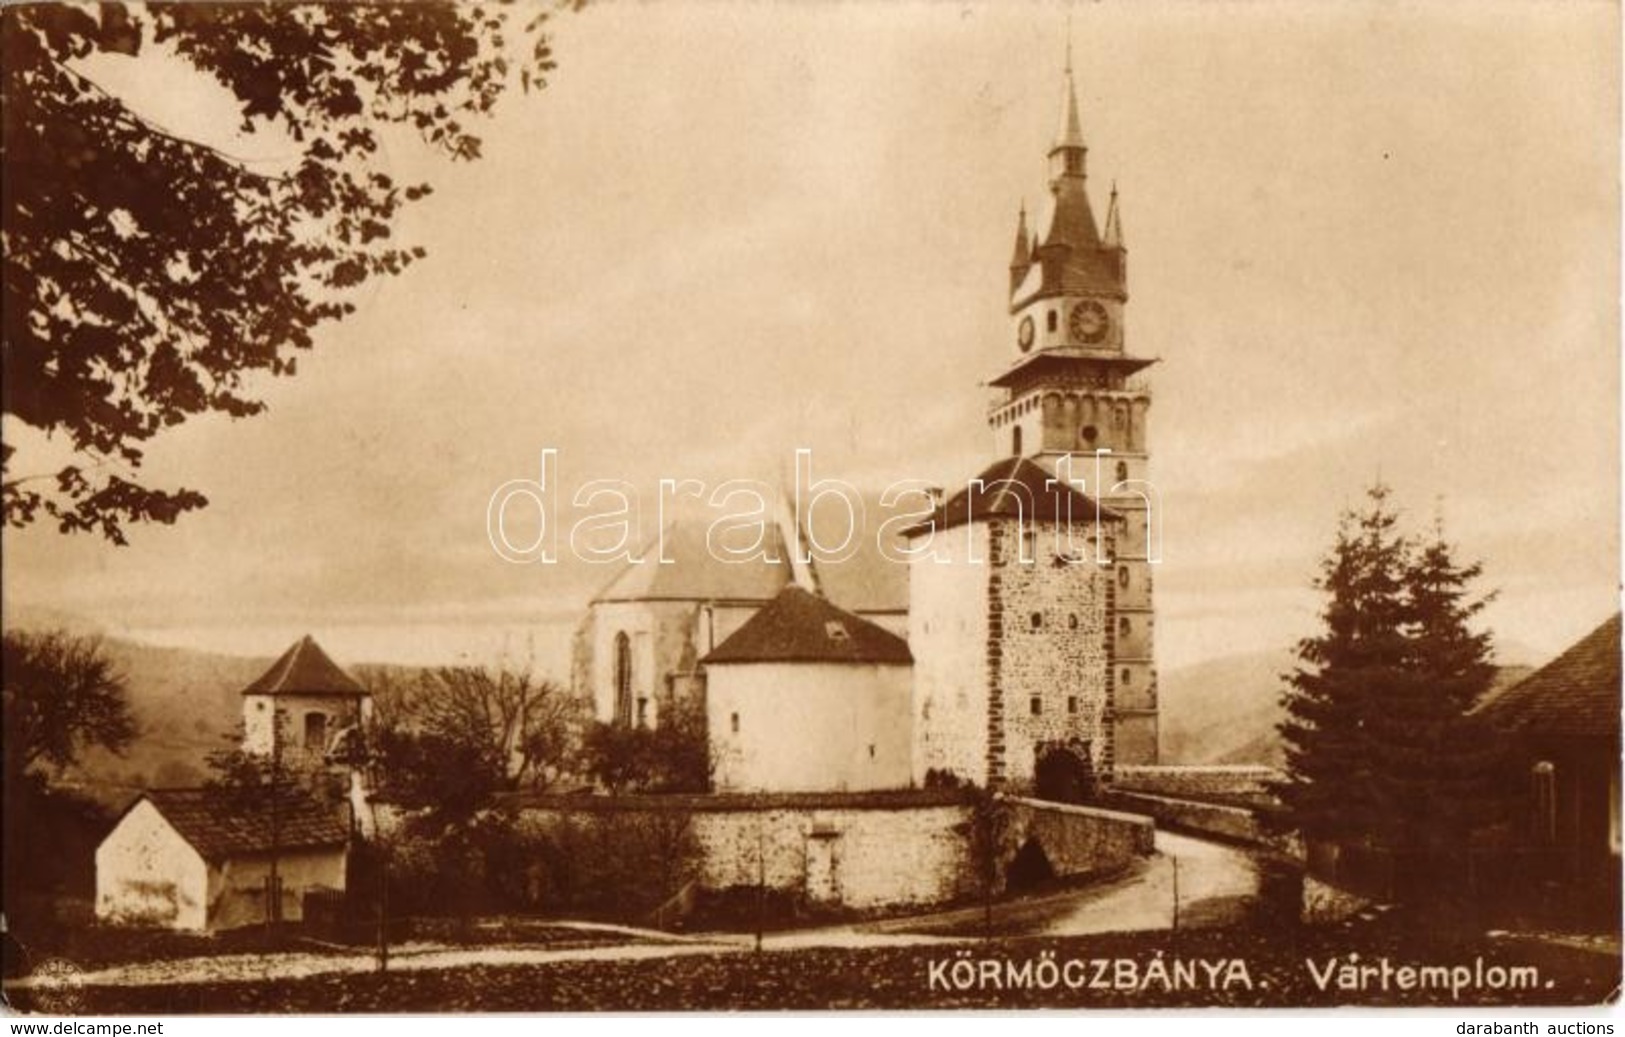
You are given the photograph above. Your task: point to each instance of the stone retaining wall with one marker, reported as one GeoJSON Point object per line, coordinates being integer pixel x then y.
{"type": "Point", "coordinates": [1200, 782]}
{"type": "Point", "coordinates": [867, 850]}
{"type": "Point", "coordinates": [1229, 822]}
{"type": "Point", "coordinates": [1080, 840]}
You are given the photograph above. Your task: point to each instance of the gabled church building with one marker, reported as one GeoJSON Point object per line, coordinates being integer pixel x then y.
{"type": "Point", "coordinates": [1022, 616]}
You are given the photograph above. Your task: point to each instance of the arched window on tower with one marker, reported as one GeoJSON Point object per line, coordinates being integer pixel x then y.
{"type": "Point", "coordinates": [1122, 471]}
{"type": "Point", "coordinates": [1015, 441]}
{"type": "Point", "coordinates": [623, 679]}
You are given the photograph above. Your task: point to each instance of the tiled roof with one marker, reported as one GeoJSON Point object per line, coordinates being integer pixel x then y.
{"type": "Point", "coordinates": [1576, 694]}
{"type": "Point", "coordinates": [222, 823]}
{"type": "Point", "coordinates": [305, 669]}
{"type": "Point", "coordinates": [696, 573]}
{"type": "Point", "coordinates": [867, 581]}
{"type": "Point", "coordinates": [1011, 487]}
{"type": "Point", "coordinates": [801, 627]}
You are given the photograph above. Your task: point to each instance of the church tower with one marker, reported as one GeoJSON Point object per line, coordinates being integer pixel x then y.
{"type": "Point", "coordinates": [1072, 388]}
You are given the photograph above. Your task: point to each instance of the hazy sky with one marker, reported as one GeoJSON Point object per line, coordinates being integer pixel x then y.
{"type": "Point", "coordinates": [1363, 238]}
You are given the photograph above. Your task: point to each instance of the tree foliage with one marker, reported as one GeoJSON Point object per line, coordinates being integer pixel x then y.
{"type": "Point", "coordinates": [1440, 761]}
{"type": "Point", "coordinates": [1334, 790]}
{"type": "Point", "coordinates": [62, 694]}
{"type": "Point", "coordinates": [249, 779]}
{"type": "Point", "coordinates": [674, 757]}
{"type": "Point", "coordinates": [451, 739]}
{"type": "Point", "coordinates": [148, 275]}
{"type": "Point", "coordinates": [1380, 746]}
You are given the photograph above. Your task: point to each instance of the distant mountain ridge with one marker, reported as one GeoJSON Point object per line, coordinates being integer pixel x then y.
{"type": "Point", "coordinates": [187, 704]}
{"type": "Point", "coordinates": [1226, 710]}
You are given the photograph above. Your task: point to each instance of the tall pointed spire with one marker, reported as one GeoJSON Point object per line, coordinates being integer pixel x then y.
{"type": "Point", "coordinates": [1022, 259]}
{"type": "Point", "coordinates": [1113, 235]}
{"type": "Point", "coordinates": [1071, 132]}
{"type": "Point", "coordinates": [1067, 156]}
{"type": "Point", "coordinates": [1072, 224]}
{"type": "Point", "coordinates": [1023, 253]}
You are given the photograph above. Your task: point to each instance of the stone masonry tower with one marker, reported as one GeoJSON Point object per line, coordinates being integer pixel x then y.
{"type": "Point", "coordinates": [1073, 389]}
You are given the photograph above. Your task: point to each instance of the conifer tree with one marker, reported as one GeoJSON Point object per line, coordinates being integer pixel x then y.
{"type": "Point", "coordinates": [1381, 747]}
{"type": "Point", "coordinates": [1335, 788]}
{"type": "Point", "coordinates": [1438, 761]}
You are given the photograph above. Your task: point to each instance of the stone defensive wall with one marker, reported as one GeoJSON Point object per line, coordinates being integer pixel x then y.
{"type": "Point", "coordinates": [1235, 823]}
{"type": "Point", "coordinates": [1077, 840]}
{"type": "Point", "coordinates": [864, 850]}
{"type": "Point", "coordinates": [1236, 782]}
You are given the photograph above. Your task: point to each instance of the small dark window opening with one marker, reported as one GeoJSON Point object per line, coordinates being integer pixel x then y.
{"type": "Point", "coordinates": [1052, 321]}
{"type": "Point", "coordinates": [1038, 706]}
{"type": "Point", "coordinates": [623, 679]}
{"type": "Point", "coordinates": [1128, 678]}
{"type": "Point", "coordinates": [1122, 577]}
{"type": "Point", "coordinates": [1090, 434]}
{"type": "Point", "coordinates": [1037, 620]}
{"type": "Point", "coordinates": [1072, 621]}
{"type": "Point", "coordinates": [643, 712]}
{"type": "Point", "coordinates": [1543, 791]}
{"type": "Point", "coordinates": [315, 730]}
{"type": "Point", "coordinates": [1071, 703]}
{"type": "Point", "coordinates": [1122, 471]}
{"type": "Point", "coordinates": [1015, 441]}
{"type": "Point", "coordinates": [1124, 627]}
{"type": "Point", "coordinates": [733, 722]}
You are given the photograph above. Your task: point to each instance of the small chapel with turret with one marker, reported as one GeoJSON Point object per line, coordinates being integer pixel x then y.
{"type": "Point", "coordinates": [1002, 636]}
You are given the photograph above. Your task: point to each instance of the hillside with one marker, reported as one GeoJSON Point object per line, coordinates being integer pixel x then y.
{"type": "Point", "coordinates": [1226, 710]}
{"type": "Point", "coordinates": [1223, 710]}
{"type": "Point", "coordinates": [186, 704]}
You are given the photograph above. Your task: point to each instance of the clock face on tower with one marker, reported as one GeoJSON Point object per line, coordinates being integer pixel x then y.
{"type": "Point", "coordinates": [1024, 333]}
{"type": "Point", "coordinates": [1089, 322]}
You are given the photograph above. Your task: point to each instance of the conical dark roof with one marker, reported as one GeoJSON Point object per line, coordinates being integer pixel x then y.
{"type": "Point", "coordinates": [1022, 257]}
{"type": "Point", "coordinates": [801, 627]}
{"type": "Point", "coordinates": [305, 669]}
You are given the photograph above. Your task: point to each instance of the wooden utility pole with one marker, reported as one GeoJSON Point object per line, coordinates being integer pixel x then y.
{"type": "Point", "coordinates": [273, 879]}
{"type": "Point", "coordinates": [761, 881]}
{"type": "Point", "coordinates": [1175, 861]}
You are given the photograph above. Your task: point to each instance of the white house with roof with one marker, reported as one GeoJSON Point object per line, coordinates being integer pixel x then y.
{"type": "Point", "coordinates": [201, 859]}
{"type": "Point", "coordinates": [808, 697]}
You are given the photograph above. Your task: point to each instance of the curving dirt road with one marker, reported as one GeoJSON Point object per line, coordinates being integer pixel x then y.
{"type": "Point", "coordinates": [1214, 882]}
